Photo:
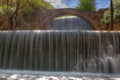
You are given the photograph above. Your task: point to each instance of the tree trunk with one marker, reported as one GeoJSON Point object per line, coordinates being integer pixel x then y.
{"type": "Point", "coordinates": [112, 11]}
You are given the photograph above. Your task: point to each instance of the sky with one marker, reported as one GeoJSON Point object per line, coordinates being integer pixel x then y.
{"type": "Point", "coordinates": [74, 3]}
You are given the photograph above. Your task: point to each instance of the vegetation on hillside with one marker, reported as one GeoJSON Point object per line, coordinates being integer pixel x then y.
{"type": "Point", "coordinates": [17, 13]}
{"type": "Point", "coordinates": [107, 14]}
{"type": "Point", "coordinates": [86, 5]}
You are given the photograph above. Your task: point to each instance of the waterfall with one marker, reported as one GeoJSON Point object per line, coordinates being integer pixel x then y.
{"type": "Point", "coordinates": [70, 23]}
{"type": "Point", "coordinates": [60, 50]}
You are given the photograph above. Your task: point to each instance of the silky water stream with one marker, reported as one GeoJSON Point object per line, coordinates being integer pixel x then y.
{"type": "Point", "coordinates": [59, 55]}
{"type": "Point", "coordinates": [59, 52]}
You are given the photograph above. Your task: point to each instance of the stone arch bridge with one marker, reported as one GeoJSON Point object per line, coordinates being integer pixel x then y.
{"type": "Point", "coordinates": [49, 15]}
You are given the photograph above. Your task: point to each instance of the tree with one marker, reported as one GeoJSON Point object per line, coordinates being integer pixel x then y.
{"type": "Point", "coordinates": [112, 13]}
{"type": "Point", "coordinates": [12, 10]}
{"type": "Point", "coordinates": [116, 15]}
{"type": "Point", "coordinates": [9, 10]}
{"type": "Point", "coordinates": [86, 5]}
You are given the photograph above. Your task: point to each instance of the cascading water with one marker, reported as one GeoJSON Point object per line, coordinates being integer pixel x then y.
{"type": "Point", "coordinates": [70, 23]}
{"type": "Point", "coordinates": [64, 50]}
{"type": "Point", "coordinates": [64, 53]}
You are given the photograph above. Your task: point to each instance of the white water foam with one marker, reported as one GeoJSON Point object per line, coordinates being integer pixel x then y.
{"type": "Point", "coordinates": [41, 75]}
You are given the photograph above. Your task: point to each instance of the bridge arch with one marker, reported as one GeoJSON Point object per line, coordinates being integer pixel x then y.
{"type": "Point", "coordinates": [52, 14]}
